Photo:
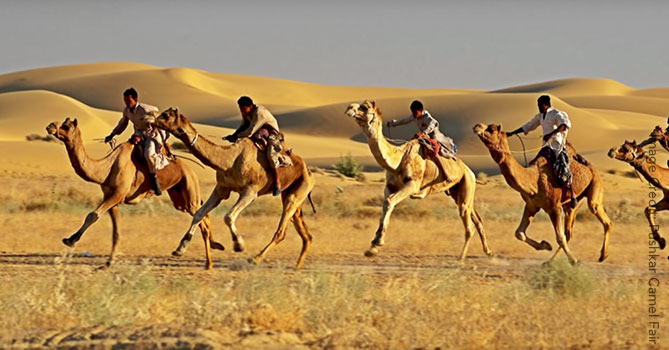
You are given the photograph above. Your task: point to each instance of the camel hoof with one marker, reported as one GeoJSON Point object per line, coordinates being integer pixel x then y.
{"type": "Point", "coordinates": [238, 247]}
{"type": "Point", "coordinates": [373, 251]}
{"type": "Point", "coordinates": [253, 260]}
{"type": "Point", "coordinates": [662, 242]}
{"type": "Point", "coordinates": [208, 267]}
{"type": "Point", "coordinates": [603, 257]}
{"type": "Point", "coordinates": [547, 263]}
{"type": "Point", "coordinates": [177, 253]}
{"type": "Point", "coordinates": [490, 254]}
{"type": "Point", "coordinates": [217, 246]}
{"type": "Point", "coordinates": [546, 246]}
{"type": "Point", "coordinates": [68, 242]}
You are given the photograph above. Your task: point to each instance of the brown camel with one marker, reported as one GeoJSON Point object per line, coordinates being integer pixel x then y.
{"type": "Point", "coordinates": [410, 174]}
{"type": "Point", "coordinates": [539, 190]}
{"type": "Point", "coordinates": [123, 177]}
{"type": "Point", "coordinates": [644, 164]}
{"type": "Point", "coordinates": [241, 168]}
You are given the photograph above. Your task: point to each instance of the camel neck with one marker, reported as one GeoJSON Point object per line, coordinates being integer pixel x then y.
{"type": "Point", "coordinates": [650, 170]}
{"type": "Point", "coordinates": [388, 156]}
{"type": "Point", "coordinates": [518, 177]}
{"type": "Point", "coordinates": [92, 170]}
{"type": "Point", "coordinates": [219, 157]}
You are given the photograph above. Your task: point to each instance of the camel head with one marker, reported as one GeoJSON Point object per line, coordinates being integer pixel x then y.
{"type": "Point", "coordinates": [657, 133]}
{"type": "Point", "coordinates": [491, 135]}
{"type": "Point", "coordinates": [173, 121]}
{"type": "Point", "coordinates": [68, 132]}
{"type": "Point", "coordinates": [627, 152]}
{"type": "Point", "coordinates": [365, 114]}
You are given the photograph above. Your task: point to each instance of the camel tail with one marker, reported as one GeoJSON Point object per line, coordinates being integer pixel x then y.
{"type": "Point", "coordinates": [312, 203]}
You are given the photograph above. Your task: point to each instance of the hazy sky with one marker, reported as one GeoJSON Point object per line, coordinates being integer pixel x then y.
{"type": "Point", "coordinates": [419, 44]}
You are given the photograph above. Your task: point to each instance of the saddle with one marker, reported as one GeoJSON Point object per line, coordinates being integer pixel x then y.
{"type": "Point", "coordinates": [261, 139]}
{"type": "Point", "coordinates": [430, 148]}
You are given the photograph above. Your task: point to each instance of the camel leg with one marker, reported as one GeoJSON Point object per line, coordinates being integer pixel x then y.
{"type": "Point", "coordinates": [246, 197]}
{"type": "Point", "coordinates": [389, 203]}
{"type": "Point", "coordinates": [303, 231]}
{"type": "Point", "coordinates": [109, 201]}
{"type": "Point", "coordinates": [291, 203]}
{"type": "Point", "coordinates": [211, 203]}
{"type": "Point", "coordinates": [556, 218]}
{"type": "Point", "coordinates": [113, 214]}
{"type": "Point", "coordinates": [464, 198]}
{"type": "Point", "coordinates": [465, 216]}
{"type": "Point", "coordinates": [570, 217]}
{"type": "Point", "coordinates": [595, 200]}
{"type": "Point", "coordinates": [528, 215]}
{"type": "Point", "coordinates": [650, 213]}
{"type": "Point", "coordinates": [478, 223]}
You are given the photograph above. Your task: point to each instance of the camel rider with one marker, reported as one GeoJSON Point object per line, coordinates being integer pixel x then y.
{"type": "Point", "coordinates": [428, 126]}
{"type": "Point", "coordinates": [261, 126]}
{"type": "Point", "coordinates": [555, 125]}
{"type": "Point", "coordinates": [146, 133]}
{"type": "Point", "coordinates": [658, 136]}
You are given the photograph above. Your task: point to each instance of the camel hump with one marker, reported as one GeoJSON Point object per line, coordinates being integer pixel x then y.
{"type": "Point", "coordinates": [573, 154]}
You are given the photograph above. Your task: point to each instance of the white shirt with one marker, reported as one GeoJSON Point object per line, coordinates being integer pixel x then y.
{"type": "Point", "coordinates": [425, 122]}
{"type": "Point", "coordinates": [550, 122]}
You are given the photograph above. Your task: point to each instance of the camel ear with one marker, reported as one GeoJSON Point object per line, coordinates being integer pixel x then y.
{"type": "Point", "coordinates": [67, 120]}
{"type": "Point", "coordinates": [634, 143]}
{"type": "Point", "coordinates": [75, 122]}
{"type": "Point", "coordinates": [373, 103]}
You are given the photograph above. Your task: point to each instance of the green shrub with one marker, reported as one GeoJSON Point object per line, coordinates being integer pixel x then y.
{"type": "Point", "coordinates": [348, 166]}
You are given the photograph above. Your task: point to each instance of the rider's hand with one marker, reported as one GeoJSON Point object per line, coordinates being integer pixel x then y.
{"type": "Point", "coordinates": [389, 124]}
{"type": "Point", "coordinates": [547, 136]}
{"type": "Point", "coordinates": [108, 138]}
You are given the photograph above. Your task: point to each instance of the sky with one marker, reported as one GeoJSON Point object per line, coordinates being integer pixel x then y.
{"type": "Point", "coordinates": [412, 44]}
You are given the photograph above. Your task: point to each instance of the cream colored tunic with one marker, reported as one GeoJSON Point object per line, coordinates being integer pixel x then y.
{"type": "Point", "coordinates": [141, 117]}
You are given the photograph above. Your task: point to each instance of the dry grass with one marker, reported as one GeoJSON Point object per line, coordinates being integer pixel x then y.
{"type": "Point", "coordinates": [447, 309]}
{"type": "Point", "coordinates": [413, 296]}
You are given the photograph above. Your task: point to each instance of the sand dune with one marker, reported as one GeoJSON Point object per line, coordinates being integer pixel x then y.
{"type": "Point", "coordinates": [28, 112]}
{"type": "Point", "coordinates": [574, 86]}
{"type": "Point", "coordinates": [205, 97]}
{"type": "Point", "coordinates": [603, 112]}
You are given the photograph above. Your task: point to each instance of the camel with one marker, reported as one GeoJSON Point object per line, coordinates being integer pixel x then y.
{"type": "Point", "coordinates": [657, 176]}
{"type": "Point", "coordinates": [410, 174]}
{"type": "Point", "coordinates": [123, 178]}
{"type": "Point", "coordinates": [538, 188]}
{"type": "Point", "coordinates": [241, 168]}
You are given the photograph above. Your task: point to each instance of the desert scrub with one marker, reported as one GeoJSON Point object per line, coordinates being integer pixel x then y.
{"type": "Point", "coordinates": [348, 166]}
{"type": "Point", "coordinates": [453, 308]}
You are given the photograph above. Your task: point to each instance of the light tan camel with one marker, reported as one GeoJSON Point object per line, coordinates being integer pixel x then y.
{"type": "Point", "coordinates": [409, 174]}
{"type": "Point", "coordinates": [644, 164]}
{"type": "Point", "coordinates": [241, 168]}
{"type": "Point", "coordinates": [539, 190]}
{"type": "Point", "coordinates": [123, 178]}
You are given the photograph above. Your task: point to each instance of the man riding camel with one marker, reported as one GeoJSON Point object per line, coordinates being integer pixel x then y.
{"type": "Point", "coordinates": [147, 136]}
{"type": "Point", "coordinates": [658, 135]}
{"type": "Point", "coordinates": [261, 126]}
{"type": "Point", "coordinates": [429, 127]}
{"type": "Point", "coordinates": [554, 124]}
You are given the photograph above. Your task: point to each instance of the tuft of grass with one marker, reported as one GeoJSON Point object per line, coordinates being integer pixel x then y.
{"type": "Point", "coordinates": [348, 166]}
{"type": "Point", "coordinates": [561, 279]}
